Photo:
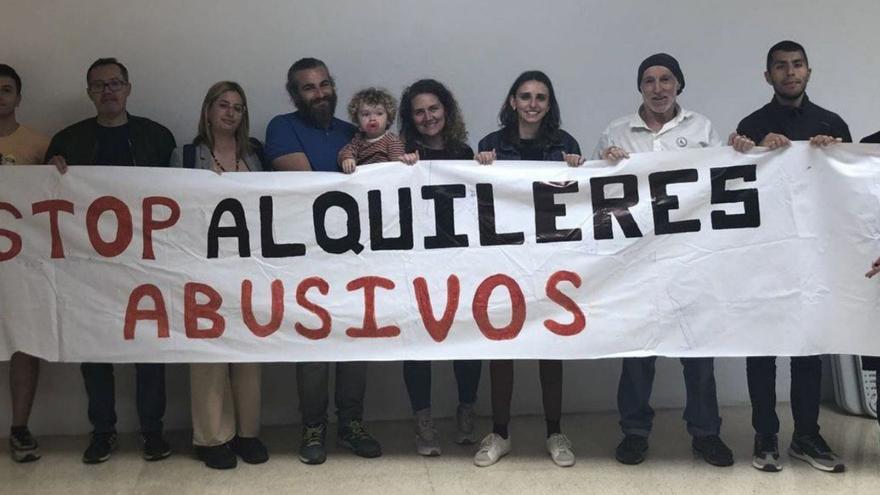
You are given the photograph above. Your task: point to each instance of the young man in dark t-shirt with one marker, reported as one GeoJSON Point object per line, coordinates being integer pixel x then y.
{"type": "Point", "coordinates": [115, 137]}
{"type": "Point", "coordinates": [790, 116]}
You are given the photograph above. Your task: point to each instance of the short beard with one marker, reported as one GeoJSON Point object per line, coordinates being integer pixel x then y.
{"type": "Point", "coordinates": [317, 114]}
{"type": "Point", "coordinates": [792, 99]}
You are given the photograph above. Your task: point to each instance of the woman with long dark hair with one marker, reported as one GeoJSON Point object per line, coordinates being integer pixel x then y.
{"type": "Point", "coordinates": [530, 119]}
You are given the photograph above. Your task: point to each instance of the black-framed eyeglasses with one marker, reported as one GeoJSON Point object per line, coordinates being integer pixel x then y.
{"type": "Point", "coordinates": [114, 85]}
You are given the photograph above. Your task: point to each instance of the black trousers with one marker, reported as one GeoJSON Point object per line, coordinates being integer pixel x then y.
{"type": "Point", "coordinates": [806, 390]}
{"type": "Point", "coordinates": [417, 376]}
{"type": "Point", "coordinates": [101, 390]}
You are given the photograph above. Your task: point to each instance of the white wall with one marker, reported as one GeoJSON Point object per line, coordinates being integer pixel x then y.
{"type": "Point", "coordinates": [590, 48]}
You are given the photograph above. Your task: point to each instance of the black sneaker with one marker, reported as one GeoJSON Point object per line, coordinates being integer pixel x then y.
{"type": "Point", "coordinates": [352, 435]}
{"type": "Point", "coordinates": [813, 450]}
{"type": "Point", "coordinates": [765, 456]}
{"type": "Point", "coordinates": [713, 450]}
{"type": "Point", "coordinates": [155, 447]}
{"type": "Point", "coordinates": [22, 445]}
{"type": "Point", "coordinates": [217, 456]}
{"type": "Point", "coordinates": [631, 450]}
{"type": "Point", "coordinates": [250, 449]}
{"type": "Point", "coordinates": [100, 448]}
{"type": "Point", "coordinates": [311, 450]}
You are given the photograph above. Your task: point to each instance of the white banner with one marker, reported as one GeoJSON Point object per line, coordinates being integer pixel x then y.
{"type": "Point", "coordinates": [692, 253]}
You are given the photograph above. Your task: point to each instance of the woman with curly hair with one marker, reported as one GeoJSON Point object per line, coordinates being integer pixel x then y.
{"type": "Point", "coordinates": [431, 124]}
{"type": "Point", "coordinates": [432, 129]}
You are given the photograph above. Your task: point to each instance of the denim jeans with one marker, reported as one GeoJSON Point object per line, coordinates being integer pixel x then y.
{"type": "Point", "coordinates": [634, 396]}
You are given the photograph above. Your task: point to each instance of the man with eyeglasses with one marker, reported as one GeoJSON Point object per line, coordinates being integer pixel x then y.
{"type": "Point", "coordinates": [115, 137]}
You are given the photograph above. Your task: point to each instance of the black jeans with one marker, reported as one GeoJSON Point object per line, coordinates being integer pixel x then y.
{"type": "Point", "coordinates": [312, 386]}
{"type": "Point", "coordinates": [806, 390]}
{"type": "Point", "coordinates": [101, 390]}
{"type": "Point", "coordinates": [417, 375]}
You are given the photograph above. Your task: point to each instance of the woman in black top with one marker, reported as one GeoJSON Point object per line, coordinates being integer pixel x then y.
{"type": "Point", "coordinates": [529, 131]}
{"type": "Point", "coordinates": [431, 125]}
{"type": "Point", "coordinates": [432, 129]}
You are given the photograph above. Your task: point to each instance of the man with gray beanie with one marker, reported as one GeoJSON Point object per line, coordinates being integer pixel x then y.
{"type": "Point", "coordinates": [660, 124]}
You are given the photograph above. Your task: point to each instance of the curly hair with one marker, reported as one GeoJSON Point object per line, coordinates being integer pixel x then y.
{"type": "Point", "coordinates": [373, 96]}
{"type": "Point", "coordinates": [454, 132]}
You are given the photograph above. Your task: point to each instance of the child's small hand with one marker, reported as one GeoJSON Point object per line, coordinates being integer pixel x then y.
{"type": "Point", "coordinates": [485, 157]}
{"type": "Point", "coordinates": [875, 269]}
{"type": "Point", "coordinates": [573, 160]}
{"type": "Point", "coordinates": [410, 158]}
{"type": "Point", "coordinates": [349, 165]}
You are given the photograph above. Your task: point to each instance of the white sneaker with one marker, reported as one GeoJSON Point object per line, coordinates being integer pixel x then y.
{"type": "Point", "coordinates": [559, 447]}
{"type": "Point", "coordinates": [492, 448]}
{"type": "Point", "coordinates": [426, 435]}
{"type": "Point", "coordinates": [464, 422]}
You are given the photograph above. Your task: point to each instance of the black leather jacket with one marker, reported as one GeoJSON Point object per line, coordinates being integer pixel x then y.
{"type": "Point", "coordinates": [151, 143]}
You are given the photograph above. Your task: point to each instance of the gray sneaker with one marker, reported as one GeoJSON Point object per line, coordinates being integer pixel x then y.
{"type": "Point", "coordinates": [464, 421]}
{"type": "Point", "coordinates": [426, 434]}
{"type": "Point", "coordinates": [22, 446]}
{"type": "Point", "coordinates": [766, 454]}
{"type": "Point", "coordinates": [813, 450]}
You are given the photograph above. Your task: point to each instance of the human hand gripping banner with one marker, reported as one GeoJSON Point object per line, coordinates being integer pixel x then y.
{"type": "Point", "coordinates": [692, 253]}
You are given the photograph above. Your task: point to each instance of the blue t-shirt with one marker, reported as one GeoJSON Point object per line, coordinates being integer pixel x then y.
{"type": "Point", "coordinates": [291, 133]}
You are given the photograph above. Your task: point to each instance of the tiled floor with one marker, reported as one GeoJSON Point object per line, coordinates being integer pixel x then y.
{"type": "Point", "coordinates": [670, 468]}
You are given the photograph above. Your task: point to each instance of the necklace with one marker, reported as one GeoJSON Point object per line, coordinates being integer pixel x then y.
{"type": "Point", "coordinates": [221, 168]}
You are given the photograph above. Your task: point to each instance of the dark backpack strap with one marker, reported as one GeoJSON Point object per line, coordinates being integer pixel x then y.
{"type": "Point", "coordinates": [257, 148]}
{"type": "Point", "coordinates": [189, 156]}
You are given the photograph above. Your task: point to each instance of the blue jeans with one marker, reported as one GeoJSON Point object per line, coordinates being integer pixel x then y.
{"type": "Point", "coordinates": [634, 396]}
